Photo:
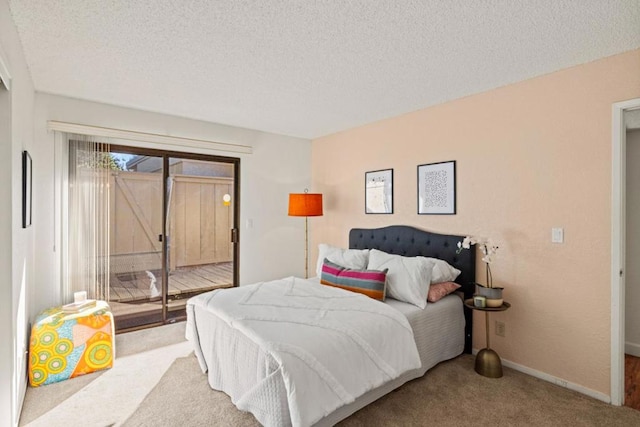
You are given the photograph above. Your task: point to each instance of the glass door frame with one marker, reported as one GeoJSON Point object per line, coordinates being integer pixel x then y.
{"type": "Point", "coordinates": [234, 233]}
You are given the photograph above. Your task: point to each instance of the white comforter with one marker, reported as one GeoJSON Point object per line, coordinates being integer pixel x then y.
{"type": "Point", "coordinates": [330, 345]}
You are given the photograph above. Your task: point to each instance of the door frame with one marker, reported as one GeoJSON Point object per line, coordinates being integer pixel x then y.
{"type": "Point", "coordinates": [618, 245]}
{"type": "Point", "coordinates": [165, 155]}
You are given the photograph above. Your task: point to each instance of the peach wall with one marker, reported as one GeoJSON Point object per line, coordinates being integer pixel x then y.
{"type": "Point", "coordinates": [530, 156]}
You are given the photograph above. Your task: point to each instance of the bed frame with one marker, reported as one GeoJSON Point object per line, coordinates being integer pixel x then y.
{"type": "Point", "coordinates": [409, 241]}
{"type": "Point", "coordinates": [405, 241]}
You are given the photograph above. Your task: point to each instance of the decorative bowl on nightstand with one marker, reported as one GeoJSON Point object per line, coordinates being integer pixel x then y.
{"type": "Point", "coordinates": [494, 302]}
{"type": "Point", "coordinates": [489, 293]}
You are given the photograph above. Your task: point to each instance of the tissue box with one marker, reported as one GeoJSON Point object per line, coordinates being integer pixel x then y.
{"type": "Point", "coordinates": [66, 345]}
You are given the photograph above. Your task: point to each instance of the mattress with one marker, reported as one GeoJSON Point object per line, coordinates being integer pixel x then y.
{"type": "Point", "coordinates": [438, 329]}
{"type": "Point", "coordinates": [438, 332]}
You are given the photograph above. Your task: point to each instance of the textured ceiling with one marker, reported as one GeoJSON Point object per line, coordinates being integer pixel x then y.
{"type": "Point", "coordinates": [308, 68]}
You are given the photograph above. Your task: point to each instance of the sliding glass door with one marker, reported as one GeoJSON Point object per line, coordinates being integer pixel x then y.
{"type": "Point", "coordinates": [136, 218]}
{"type": "Point", "coordinates": [200, 228]}
{"type": "Point", "coordinates": [171, 230]}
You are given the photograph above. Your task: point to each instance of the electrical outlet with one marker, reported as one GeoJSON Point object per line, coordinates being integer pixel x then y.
{"type": "Point", "coordinates": [499, 328]}
{"type": "Point", "coordinates": [557, 235]}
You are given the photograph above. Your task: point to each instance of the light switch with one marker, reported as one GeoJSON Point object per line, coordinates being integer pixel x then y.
{"type": "Point", "coordinates": [557, 235]}
{"type": "Point", "coordinates": [249, 223]}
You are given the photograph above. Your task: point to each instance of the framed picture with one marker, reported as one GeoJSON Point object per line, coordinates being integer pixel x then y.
{"type": "Point", "coordinates": [437, 188]}
{"type": "Point", "coordinates": [378, 192]}
{"type": "Point", "coordinates": [26, 189]}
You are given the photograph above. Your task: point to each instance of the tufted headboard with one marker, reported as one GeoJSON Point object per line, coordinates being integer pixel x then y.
{"type": "Point", "coordinates": [409, 241]}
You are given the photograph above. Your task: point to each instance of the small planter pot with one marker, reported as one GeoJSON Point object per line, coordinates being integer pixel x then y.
{"type": "Point", "coordinates": [489, 293]}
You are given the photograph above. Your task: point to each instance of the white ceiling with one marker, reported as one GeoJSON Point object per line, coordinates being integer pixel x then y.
{"type": "Point", "coordinates": [308, 68]}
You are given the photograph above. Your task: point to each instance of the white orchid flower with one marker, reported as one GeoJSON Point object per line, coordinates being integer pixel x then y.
{"type": "Point", "coordinates": [488, 249]}
{"type": "Point", "coordinates": [486, 246]}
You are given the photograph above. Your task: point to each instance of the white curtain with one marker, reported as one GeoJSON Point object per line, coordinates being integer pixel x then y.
{"type": "Point", "coordinates": [86, 264]}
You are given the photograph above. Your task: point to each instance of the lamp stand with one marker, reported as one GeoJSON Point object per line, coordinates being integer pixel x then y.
{"type": "Point", "coordinates": [306, 247]}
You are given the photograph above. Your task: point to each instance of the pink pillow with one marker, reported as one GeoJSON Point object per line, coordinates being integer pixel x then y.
{"type": "Point", "coordinates": [438, 291]}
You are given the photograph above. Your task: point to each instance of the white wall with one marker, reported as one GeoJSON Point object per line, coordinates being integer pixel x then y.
{"type": "Point", "coordinates": [632, 282]}
{"type": "Point", "coordinates": [6, 320]}
{"type": "Point", "coordinates": [16, 244]}
{"type": "Point", "coordinates": [272, 248]}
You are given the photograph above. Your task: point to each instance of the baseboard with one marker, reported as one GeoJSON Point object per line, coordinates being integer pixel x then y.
{"type": "Point", "coordinates": [555, 380]}
{"type": "Point", "coordinates": [632, 349]}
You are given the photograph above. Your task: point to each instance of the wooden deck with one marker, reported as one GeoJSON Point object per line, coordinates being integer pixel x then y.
{"type": "Point", "coordinates": [145, 285]}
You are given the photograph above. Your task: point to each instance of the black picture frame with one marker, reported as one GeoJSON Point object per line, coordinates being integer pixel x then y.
{"type": "Point", "coordinates": [27, 198]}
{"type": "Point", "coordinates": [378, 192]}
{"type": "Point", "coordinates": [437, 188]}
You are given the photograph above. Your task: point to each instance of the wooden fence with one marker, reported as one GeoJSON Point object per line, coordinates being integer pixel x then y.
{"type": "Point", "coordinates": [199, 223]}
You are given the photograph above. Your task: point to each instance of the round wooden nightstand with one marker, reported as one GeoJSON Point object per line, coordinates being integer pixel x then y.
{"type": "Point", "coordinates": [488, 362]}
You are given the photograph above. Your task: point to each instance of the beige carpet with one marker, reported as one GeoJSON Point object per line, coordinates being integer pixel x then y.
{"type": "Point", "coordinates": [183, 397]}
{"type": "Point", "coordinates": [451, 394]}
{"type": "Point", "coordinates": [148, 353]}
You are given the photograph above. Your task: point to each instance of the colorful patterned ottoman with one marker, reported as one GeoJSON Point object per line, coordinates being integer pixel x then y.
{"type": "Point", "coordinates": [68, 345]}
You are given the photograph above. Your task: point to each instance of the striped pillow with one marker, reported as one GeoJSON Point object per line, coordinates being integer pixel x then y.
{"type": "Point", "coordinates": [371, 283]}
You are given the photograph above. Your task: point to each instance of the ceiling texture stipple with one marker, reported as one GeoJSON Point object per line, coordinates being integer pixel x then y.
{"type": "Point", "coordinates": [308, 68]}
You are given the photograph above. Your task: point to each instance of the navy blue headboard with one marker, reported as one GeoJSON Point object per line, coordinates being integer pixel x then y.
{"type": "Point", "coordinates": [409, 241]}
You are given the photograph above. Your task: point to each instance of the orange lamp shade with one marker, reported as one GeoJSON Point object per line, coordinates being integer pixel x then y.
{"type": "Point", "coordinates": [305, 204]}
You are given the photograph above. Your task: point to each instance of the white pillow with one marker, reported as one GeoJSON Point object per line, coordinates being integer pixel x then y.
{"type": "Point", "coordinates": [443, 271]}
{"type": "Point", "coordinates": [349, 258]}
{"type": "Point", "coordinates": [408, 278]}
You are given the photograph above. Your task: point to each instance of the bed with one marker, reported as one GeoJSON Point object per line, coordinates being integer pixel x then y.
{"type": "Point", "coordinates": [238, 362]}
